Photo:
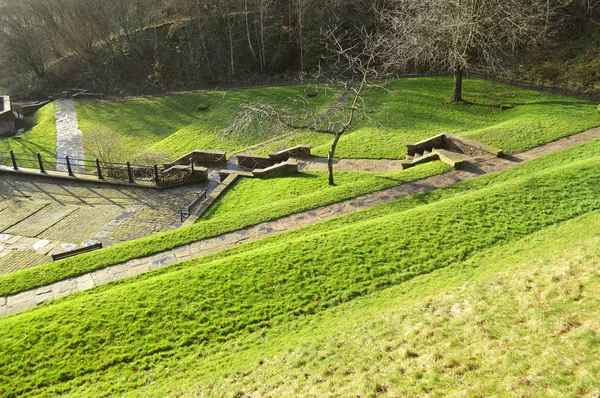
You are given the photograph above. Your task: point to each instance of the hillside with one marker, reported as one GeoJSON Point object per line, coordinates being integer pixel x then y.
{"type": "Point", "coordinates": [451, 290]}
{"type": "Point", "coordinates": [572, 60]}
{"type": "Point", "coordinates": [406, 110]}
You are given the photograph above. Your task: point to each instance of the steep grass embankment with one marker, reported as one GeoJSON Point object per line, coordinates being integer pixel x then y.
{"type": "Point", "coordinates": [40, 138]}
{"type": "Point", "coordinates": [417, 108]}
{"type": "Point", "coordinates": [314, 193]}
{"type": "Point", "coordinates": [106, 340]}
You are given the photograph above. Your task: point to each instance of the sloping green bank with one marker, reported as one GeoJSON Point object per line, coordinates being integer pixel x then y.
{"type": "Point", "coordinates": [105, 337]}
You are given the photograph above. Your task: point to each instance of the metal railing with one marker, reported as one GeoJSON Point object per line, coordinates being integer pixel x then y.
{"type": "Point", "coordinates": [107, 171]}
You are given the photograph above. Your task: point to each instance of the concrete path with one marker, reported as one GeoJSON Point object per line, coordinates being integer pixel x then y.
{"type": "Point", "coordinates": [68, 136]}
{"type": "Point", "coordinates": [351, 165]}
{"type": "Point", "coordinates": [29, 299]}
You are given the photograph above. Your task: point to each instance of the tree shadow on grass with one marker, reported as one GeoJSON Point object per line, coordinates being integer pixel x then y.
{"type": "Point", "coordinates": [27, 147]}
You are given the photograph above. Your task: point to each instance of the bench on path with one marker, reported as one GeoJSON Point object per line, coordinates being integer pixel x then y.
{"type": "Point", "coordinates": [71, 253]}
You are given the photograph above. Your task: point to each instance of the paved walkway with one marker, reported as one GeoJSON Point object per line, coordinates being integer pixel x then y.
{"type": "Point", "coordinates": [354, 165]}
{"type": "Point", "coordinates": [29, 299]}
{"type": "Point", "coordinates": [68, 136]}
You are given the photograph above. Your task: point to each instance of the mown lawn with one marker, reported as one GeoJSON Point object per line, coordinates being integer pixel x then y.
{"type": "Point", "coordinates": [312, 191]}
{"type": "Point", "coordinates": [519, 319]}
{"type": "Point", "coordinates": [40, 138]}
{"type": "Point", "coordinates": [413, 109]}
{"type": "Point", "coordinates": [166, 325]}
{"type": "Point", "coordinates": [408, 110]}
{"type": "Point", "coordinates": [173, 125]}
{"type": "Point", "coordinates": [305, 190]}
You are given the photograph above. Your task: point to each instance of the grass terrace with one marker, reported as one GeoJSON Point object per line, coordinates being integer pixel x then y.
{"type": "Point", "coordinates": [465, 276]}
{"type": "Point", "coordinates": [39, 138]}
{"type": "Point", "coordinates": [413, 109]}
{"type": "Point", "coordinates": [311, 190]}
{"type": "Point", "coordinates": [173, 125]}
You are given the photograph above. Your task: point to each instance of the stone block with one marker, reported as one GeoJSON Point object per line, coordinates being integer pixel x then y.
{"type": "Point", "coordinates": [280, 169]}
{"type": "Point", "coordinates": [299, 151]}
{"type": "Point", "coordinates": [199, 156]}
{"type": "Point", "coordinates": [254, 161]}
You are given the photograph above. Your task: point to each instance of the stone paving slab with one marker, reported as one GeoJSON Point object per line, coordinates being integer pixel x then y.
{"type": "Point", "coordinates": [68, 136]}
{"type": "Point", "coordinates": [29, 299]}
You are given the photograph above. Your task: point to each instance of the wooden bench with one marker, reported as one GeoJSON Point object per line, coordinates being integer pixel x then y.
{"type": "Point", "coordinates": [71, 253]}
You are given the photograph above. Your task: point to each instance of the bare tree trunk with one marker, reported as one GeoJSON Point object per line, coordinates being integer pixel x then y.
{"type": "Point", "coordinates": [263, 61]}
{"type": "Point", "coordinates": [457, 90]}
{"type": "Point", "coordinates": [248, 29]}
{"type": "Point", "coordinates": [330, 157]}
{"type": "Point", "coordinates": [231, 45]}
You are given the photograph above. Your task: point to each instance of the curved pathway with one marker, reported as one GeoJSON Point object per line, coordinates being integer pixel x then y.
{"type": "Point", "coordinates": [29, 299]}
{"type": "Point", "coordinates": [68, 136]}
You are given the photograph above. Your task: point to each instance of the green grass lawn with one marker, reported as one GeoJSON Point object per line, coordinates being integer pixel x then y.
{"type": "Point", "coordinates": [40, 138]}
{"type": "Point", "coordinates": [417, 108]}
{"type": "Point", "coordinates": [178, 328]}
{"type": "Point", "coordinates": [517, 320]}
{"type": "Point", "coordinates": [251, 197]}
{"type": "Point", "coordinates": [407, 111]}
{"type": "Point", "coordinates": [172, 124]}
{"type": "Point", "coordinates": [311, 190]}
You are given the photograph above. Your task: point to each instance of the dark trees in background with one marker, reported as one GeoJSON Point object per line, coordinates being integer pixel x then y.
{"type": "Point", "coordinates": [154, 45]}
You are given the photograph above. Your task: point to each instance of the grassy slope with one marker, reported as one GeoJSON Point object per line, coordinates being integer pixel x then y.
{"type": "Point", "coordinates": [515, 320]}
{"type": "Point", "coordinates": [173, 125]}
{"type": "Point", "coordinates": [417, 108]}
{"type": "Point", "coordinates": [40, 138]}
{"type": "Point", "coordinates": [316, 193]}
{"type": "Point", "coordinates": [250, 197]}
{"type": "Point", "coordinates": [411, 110]}
{"type": "Point", "coordinates": [106, 341]}
{"type": "Point", "coordinates": [574, 60]}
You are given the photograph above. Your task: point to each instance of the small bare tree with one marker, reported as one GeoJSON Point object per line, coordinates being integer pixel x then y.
{"type": "Point", "coordinates": [357, 57]}
{"type": "Point", "coordinates": [459, 35]}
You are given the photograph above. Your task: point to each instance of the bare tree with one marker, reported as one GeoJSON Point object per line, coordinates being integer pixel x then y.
{"type": "Point", "coordinates": [355, 58]}
{"type": "Point", "coordinates": [24, 36]}
{"type": "Point", "coordinates": [457, 36]}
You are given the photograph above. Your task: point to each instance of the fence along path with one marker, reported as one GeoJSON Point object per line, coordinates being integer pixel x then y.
{"type": "Point", "coordinates": [29, 299]}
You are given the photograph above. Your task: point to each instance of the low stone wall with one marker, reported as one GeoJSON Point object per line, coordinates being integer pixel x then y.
{"type": "Point", "coordinates": [288, 167]}
{"type": "Point", "coordinates": [468, 146]}
{"type": "Point", "coordinates": [254, 161]}
{"type": "Point", "coordinates": [299, 151]}
{"type": "Point", "coordinates": [453, 143]}
{"type": "Point", "coordinates": [30, 109]}
{"type": "Point", "coordinates": [434, 142]}
{"type": "Point", "coordinates": [200, 157]}
{"type": "Point", "coordinates": [7, 118]}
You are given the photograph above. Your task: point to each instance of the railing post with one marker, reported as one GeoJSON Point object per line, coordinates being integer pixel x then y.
{"type": "Point", "coordinates": [69, 169]}
{"type": "Point", "coordinates": [156, 178]}
{"type": "Point", "coordinates": [129, 174]}
{"type": "Point", "coordinates": [41, 163]}
{"type": "Point", "coordinates": [14, 160]}
{"type": "Point", "coordinates": [99, 170]}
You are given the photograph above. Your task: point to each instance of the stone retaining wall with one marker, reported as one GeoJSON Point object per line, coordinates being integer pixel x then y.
{"type": "Point", "coordinates": [203, 157]}
{"type": "Point", "coordinates": [7, 118]}
{"type": "Point", "coordinates": [299, 151]}
{"type": "Point", "coordinates": [254, 161]}
{"type": "Point", "coordinates": [280, 169]}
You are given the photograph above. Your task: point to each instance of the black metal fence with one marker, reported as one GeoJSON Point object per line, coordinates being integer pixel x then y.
{"type": "Point", "coordinates": [107, 171]}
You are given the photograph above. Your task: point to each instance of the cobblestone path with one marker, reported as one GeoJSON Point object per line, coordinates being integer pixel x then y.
{"type": "Point", "coordinates": [29, 299]}
{"type": "Point", "coordinates": [68, 136]}
{"type": "Point", "coordinates": [40, 217]}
